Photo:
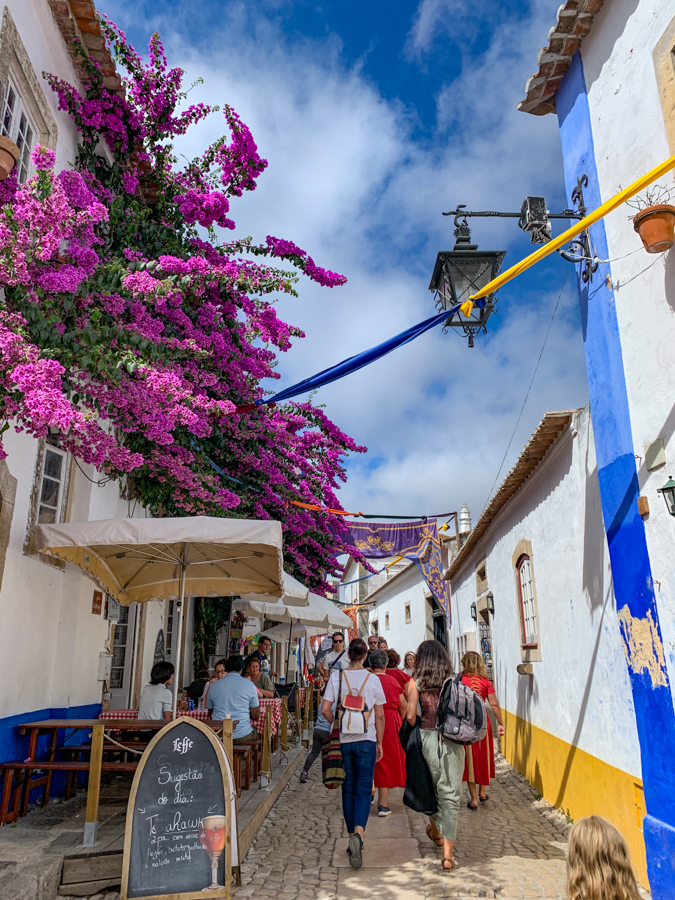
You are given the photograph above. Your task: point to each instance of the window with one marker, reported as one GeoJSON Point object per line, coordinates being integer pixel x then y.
{"type": "Point", "coordinates": [408, 614]}
{"type": "Point", "coordinates": [386, 621]}
{"type": "Point", "coordinates": [119, 649]}
{"type": "Point", "coordinates": [528, 613]}
{"type": "Point", "coordinates": [17, 126]}
{"type": "Point", "coordinates": [375, 626]}
{"type": "Point", "coordinates": [51, 486]}
{"type": "Point", "coordinates": [481, 578]}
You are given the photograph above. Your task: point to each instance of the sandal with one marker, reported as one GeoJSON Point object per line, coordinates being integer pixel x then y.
{"type": "Point", "coordinates": [483, 799]}
{"type": "Point", "coordinates": [438, 841]}
{"type": "Point", "coordinates": [472, 807]}
{"type": "Point", "coordinates": [448, 859]}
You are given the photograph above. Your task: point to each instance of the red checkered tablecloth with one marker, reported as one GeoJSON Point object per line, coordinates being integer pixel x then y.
{"type": "Point", "coordinates": [202, 714]}
{"type": "Point", "coordinates": [301, 692]}
{"type": "Point", "coordinates": [275, 703]}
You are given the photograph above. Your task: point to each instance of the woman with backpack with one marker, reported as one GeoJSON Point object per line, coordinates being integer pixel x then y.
{"type": "Point", "coordinates": [480, 757]}
{"type": "Point", "coordinates": [444, 758]}
{"type": "Point", "coordinates": [359, 709]}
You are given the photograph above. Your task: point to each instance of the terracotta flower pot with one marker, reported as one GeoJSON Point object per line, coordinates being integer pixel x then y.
{"type": "Point", "coordinates": [9, 154]}
{"type": "Point", "coordinates": [656, 225]}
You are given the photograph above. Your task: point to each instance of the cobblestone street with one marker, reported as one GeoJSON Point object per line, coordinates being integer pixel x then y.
{"type": "Point", "coordinates": [513, 846]}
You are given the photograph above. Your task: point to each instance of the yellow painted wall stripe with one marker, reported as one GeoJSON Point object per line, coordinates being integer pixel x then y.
{"type": "Point", "coordinates": [571, 779]}
{"type": "Point", "coordinates": [580, 226]}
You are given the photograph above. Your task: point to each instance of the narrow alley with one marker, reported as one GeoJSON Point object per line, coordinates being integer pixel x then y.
{"type": "Point", "coordinates": [513, 847]}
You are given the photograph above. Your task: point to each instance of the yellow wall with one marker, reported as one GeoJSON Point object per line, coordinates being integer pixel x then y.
{"type": "Point", "coordinates": [573, 780]}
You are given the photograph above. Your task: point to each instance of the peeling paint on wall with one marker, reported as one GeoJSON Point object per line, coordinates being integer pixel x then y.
{"type": "Point", "coordinates": [643, 647]}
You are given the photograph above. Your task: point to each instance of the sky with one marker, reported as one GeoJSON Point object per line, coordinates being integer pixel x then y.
{"type": "Point", "coordinates": [375, 118]}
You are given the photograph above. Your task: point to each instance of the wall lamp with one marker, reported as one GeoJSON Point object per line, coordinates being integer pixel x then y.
{"type": "Point", "coordinates": [668, 492]}
{"type": "Point", "coordinates": [465, 270]}
{"type": "Point", "coordinates": [474, 612]}
{"type": "Point", "coordinates": [490, 602]}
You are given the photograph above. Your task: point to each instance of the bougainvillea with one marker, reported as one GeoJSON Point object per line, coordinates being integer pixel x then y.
{"type": "Point", "coordinates": [129, 327]}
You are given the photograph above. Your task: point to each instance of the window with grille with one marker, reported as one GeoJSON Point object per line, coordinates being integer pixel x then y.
{"type": "Point", "coordinates": [17, 126]}
{"type": "Point", "coordinates": [528, 614]}
{"type": "Point", "coordinates": [408, 614]}
{"type": "Point", "coordinates": [51, 486]}
{"type": "Point", "coordinates": [119, 649]}
{"type": "Point", "coordinates": [169, 630]}
{"type": "Point", "coordinates": [386, 621]}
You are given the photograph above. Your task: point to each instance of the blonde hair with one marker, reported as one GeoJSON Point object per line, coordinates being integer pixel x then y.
{"type": "Point", "coordinates": [472, 664]}
{"type": "Point", "coordinates": [598, 863]}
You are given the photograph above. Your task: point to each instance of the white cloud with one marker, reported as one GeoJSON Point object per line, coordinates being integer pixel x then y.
{"type": "Point", "coordinates": [349, 181]}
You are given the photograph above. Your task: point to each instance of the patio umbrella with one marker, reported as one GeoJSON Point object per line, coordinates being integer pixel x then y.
{"type": "Point", "coordinates": [320, 612]}
{"type": "Point", "coordinates": [283, 632]}
{"type": "Point", "coordinates": [144, 559]}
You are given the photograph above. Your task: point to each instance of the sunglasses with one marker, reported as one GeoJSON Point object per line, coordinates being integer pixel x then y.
{"type": "Point", "coordinates": [338, 641]}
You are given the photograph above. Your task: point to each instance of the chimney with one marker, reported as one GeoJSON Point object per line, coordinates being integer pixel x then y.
{"type": "Point", "coordinates": [464, 520]}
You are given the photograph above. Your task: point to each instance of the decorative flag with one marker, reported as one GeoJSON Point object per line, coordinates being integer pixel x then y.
{"type": "Point", "coordinates": [351, 612]}
{"type": "Point", "coordinates": [418, 541]}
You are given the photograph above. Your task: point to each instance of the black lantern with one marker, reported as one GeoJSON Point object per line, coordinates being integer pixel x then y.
{"type": "Point", "coordinates": [668, 491]}
{"type": "Point", "coordinates": [464, 271]}
{"type": "Point", "coordinates": [490, 602]}
{"type": "Point", "coordinates": [474, 612]}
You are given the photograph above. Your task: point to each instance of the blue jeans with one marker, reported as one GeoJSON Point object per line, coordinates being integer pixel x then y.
{"type": "Point", "coordinates": [359, 762]}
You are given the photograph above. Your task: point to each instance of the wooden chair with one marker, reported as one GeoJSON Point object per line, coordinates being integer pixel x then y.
{"type": "Point", "coordinates": [242, 752]}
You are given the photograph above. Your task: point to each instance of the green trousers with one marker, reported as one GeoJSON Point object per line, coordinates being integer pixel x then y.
{"type": "Point", "coordinates": [446, 763]}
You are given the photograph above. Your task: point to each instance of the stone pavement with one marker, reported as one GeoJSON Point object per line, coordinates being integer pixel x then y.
{"type": "Point", "coordinates": [512, 847]}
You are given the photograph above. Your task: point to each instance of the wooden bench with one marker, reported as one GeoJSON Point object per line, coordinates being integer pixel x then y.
{"type": "Point", "coordinates": [256, 750]}
{"type": "Point", "coordinates": [242, 753]}
{"type": "Point", "coordinates": [19, 781]}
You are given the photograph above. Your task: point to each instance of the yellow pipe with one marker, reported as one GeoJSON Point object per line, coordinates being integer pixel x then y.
{"type": "Point", "coordinates": [575, 230]}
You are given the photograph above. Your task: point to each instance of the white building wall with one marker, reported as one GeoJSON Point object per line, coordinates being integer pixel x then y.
{"type": "Point", "coordinates": [580, 691]}
{"type": "Point", "coordinates": [630, 138]}
{"type": "Point", "coordinates": [401, 636]}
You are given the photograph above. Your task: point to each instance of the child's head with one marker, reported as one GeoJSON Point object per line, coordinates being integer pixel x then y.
{"type": "Point", "coordinates": [598, 863]}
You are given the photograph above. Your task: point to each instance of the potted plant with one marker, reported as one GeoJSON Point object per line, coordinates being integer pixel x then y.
{"type": "Point", "coordinates": [655, 219]}
{"type": "Point", "coordinates": [9, 154]}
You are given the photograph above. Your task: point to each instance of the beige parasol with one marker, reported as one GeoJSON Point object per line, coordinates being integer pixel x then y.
{"type": "Point", "coordinates": [144, 559]}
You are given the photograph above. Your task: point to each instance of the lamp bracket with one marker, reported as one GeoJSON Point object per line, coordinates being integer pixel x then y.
{"type": "Point", "coordinates": [535, 219]}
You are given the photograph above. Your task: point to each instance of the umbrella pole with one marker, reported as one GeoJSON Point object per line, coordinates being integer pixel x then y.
{"type": "Point", "coordinates": [181, 603]}
{"type": "Point", "coordinates": [288, 652]}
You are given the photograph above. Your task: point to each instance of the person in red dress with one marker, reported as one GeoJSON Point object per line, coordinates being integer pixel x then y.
{"type": "Point", "coordinates": [390, 770]}
{"type": "Point", "coordinates": [479, 767]}
{"type": "Point", "coordinates": [393, 663]}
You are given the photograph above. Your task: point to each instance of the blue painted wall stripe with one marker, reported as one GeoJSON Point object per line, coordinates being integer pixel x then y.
{"type": "Point", "coordinates": [617, 475]}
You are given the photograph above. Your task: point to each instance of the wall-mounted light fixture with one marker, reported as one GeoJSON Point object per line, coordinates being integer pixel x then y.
{"type": "Point", "coordinates": [474, 612]}
{"type": "Point", "coordinates": [490, 602]}
{"type": "Point", "coordinates": [668, 492]}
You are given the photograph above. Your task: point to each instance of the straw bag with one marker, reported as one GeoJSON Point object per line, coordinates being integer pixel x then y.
{"type": "Point", "coordinates": [332, 766]}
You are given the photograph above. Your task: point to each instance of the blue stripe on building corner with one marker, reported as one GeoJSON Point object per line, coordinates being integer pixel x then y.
{"type": "Point", "coordinates": [14, 746]}
{"type": "Point", "coordinates": [617, 475]}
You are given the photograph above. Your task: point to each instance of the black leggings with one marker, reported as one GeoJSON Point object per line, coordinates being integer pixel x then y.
{"type": "Point", "coordinates": [319, 739]}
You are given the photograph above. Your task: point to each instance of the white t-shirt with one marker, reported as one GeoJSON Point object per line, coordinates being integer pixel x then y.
{"type": "Point", "coordinates": [331, 661]}
{"type": "Point", "coordinates": [373, 694]}
{"type": "Point", "coordinates": [156, 699]}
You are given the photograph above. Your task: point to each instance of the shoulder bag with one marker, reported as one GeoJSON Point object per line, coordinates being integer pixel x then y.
{"type": "Point", "coordinates": [332, 766]}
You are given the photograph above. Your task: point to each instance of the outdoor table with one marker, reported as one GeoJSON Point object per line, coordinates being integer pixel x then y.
{"type": "Point", "coordinates": [202, 714]}
{"type": "Point", "coordinates": [98, 726]}
{"type": "Point", "coordinates": [264, 703]}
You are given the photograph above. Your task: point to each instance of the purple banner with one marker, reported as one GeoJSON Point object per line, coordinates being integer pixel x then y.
{"type": "Point", "coordinates": [417, 541]}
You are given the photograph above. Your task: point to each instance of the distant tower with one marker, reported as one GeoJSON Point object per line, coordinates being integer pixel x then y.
{"type": "Point", "coordinates": [464, 520]}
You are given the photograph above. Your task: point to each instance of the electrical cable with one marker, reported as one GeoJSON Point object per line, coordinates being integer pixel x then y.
{"type": "Point", "coordinates": [536, 368]}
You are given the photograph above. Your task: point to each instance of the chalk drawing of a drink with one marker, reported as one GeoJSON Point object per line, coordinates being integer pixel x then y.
{"type": "Point", "coordinates": [212, 835]}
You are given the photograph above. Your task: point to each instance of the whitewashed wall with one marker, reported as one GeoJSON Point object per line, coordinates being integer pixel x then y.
{"type": "Point", "coordinates": [580, 691]}
{"type": "Point", "coordinates": [409, 587]}
{"type": "Point", "coordinates": [630, 138]}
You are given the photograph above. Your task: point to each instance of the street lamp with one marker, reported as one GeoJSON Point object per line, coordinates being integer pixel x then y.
{"type": "Point", "coordinates": [490, 602]}
{"type": "Point", "coordinates": [474, 611]}
{"type": "Point", "coordinates": [461, 272]}
{"type": "Point", "coordinates": [668, 491]}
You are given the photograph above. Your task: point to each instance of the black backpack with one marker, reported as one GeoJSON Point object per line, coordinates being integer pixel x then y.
{"type": "Point", "coordinates": [461, 716]}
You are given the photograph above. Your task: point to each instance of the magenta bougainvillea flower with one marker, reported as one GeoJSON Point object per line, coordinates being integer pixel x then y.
{"type": "Point", "coordinates": [131, 327]}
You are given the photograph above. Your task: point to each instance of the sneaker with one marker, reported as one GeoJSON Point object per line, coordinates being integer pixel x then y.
{"type": "Point", "coordinates": [302, 777]}
{"type": "Point", "coordinates": [383, 811]}
{"type": "Point", "coordinates": [355, 850]}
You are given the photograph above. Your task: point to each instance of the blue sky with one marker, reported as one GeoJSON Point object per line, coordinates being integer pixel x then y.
{"type": "Point", "coordinates": [375, 118]}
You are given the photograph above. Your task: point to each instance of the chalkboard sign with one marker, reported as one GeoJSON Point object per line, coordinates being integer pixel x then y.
{"type": "Point", "coordinates": [177, 842]}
